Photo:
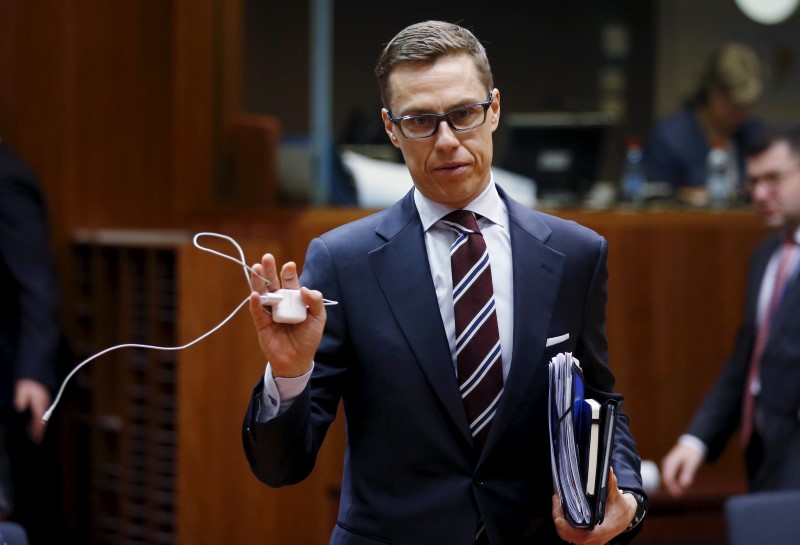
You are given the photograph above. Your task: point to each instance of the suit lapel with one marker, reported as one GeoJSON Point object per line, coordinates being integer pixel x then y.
{"type": "Point", "coordinates": [537, 273]}
{"type": "Point", "coordinates": [403, 272]}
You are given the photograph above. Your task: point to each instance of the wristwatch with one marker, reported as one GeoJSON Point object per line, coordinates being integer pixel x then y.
{"type": "Point", "coordinates": [641, 509]}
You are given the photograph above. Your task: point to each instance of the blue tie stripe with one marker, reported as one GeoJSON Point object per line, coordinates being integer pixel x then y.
{"type": "Point", "coordinates": [475, 325]}
{"type": "Point", "coordinates": [469, 278]}
{"type": "Point", "coordinates": [486, 416]}
{"type": "Point", "coordinates": [460, 241]}
{"type": "Point", "coordinates": [480, 372]}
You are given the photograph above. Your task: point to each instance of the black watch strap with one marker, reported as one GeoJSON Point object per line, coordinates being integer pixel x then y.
{"type": "Point", "coordinates": [641, 509]}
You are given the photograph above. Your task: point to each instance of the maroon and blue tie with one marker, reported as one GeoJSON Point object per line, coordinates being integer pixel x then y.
{"type": "Point", "coordinates": [478, 362]}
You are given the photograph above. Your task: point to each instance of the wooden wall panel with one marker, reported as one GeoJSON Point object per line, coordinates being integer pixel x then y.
{"type": "Point", "coordinates": [121, 88]}
{"type": "Point", "coordinates": [89, 107]}
{"type": "Point", "coordinates": [195, 117]}
{"type": "Point", "coordinates": [34, 60]}
{"type": "Point", "coordinates": [119, 106]}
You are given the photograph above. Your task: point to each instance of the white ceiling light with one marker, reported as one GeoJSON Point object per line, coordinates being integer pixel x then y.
{"type": "Point", "coordinates": [768, 12]}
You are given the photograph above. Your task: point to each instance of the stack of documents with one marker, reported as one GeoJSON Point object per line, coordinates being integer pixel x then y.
{"type": "Point", "coordinates": [581, 439]}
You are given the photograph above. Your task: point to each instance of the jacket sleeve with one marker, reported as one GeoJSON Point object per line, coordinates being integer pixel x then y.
{"type": "Point", "coordinates": [284, 449]}
{"type": "Point", "coordinates": [600, 382]}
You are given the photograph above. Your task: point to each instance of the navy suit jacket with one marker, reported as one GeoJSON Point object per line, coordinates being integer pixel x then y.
{"type": "Point", "coordinates": [774, 465]}
{"type": "Point", "coordinates": [411, 475]}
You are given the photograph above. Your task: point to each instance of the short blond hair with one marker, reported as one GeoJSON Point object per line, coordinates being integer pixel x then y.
{"type": "Point", "coordinates": [425, 43]}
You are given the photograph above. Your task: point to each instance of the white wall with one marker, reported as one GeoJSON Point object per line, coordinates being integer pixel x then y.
{"type": "Point", "coordinates": [687, 30]}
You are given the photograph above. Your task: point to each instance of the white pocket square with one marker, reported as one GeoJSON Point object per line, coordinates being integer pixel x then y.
{"type": "Point", "coordinates": [555, 340]}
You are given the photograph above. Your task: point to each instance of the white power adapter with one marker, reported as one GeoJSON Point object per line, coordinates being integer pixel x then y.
{"type": "Point", "coordinates": [287, 307]}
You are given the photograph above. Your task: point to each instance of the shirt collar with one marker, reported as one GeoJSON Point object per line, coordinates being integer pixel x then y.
{"type": "Point", "coordinates": [488, 204]}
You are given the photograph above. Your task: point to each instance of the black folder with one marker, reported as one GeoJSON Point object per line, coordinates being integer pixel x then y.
{"type": "Point", "coordinates": [581, 439]}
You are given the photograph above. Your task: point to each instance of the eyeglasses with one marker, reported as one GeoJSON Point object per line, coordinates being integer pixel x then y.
{"type": "Point", "coordinates": [463, 118]}
{"type": "Point", "coordinates": [771, 179]}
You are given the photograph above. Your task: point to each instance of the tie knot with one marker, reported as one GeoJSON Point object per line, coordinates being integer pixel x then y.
{"type": "Point", "coordinates": [462, 221]}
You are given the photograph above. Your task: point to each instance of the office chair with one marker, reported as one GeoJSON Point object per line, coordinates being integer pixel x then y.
{"type": "Point", "coordinates": [764, 518]}
{"type": "Point", "coordinates": [12, 533]}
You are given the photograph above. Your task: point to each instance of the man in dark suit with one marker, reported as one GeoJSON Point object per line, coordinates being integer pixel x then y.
{"type": "Point", "coordinates": [419, 468]}
{"type": "Point", "coordinates": [759, 388]}
{"type": "Point", "coordinates": [29, 322]}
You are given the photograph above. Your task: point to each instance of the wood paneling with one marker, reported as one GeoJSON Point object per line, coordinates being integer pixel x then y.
{"type": "Point", "coordinates": [120, 106]}
{"type": "Point", "coordinates": [89, 106]}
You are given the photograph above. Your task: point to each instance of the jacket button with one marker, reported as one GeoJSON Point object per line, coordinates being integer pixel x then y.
{"type": "Point", "coordinates": [479, 482]}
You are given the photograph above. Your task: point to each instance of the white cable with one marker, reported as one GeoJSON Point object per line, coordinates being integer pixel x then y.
{"type": "Point", "coordinates": [48, 413]}
{"type": "Point", "coordinates": [240, 261]}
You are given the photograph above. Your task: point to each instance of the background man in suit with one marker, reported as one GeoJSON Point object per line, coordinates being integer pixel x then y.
{"type": "Point", "coordinates": [29, 321]}
{"type": "Point", "coordinates": [419, 469]}
{"type": "Point", "coordinates": [759, 387]}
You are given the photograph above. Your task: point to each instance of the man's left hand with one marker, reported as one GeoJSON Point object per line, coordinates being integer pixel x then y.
{"type": "Point", "coordinates": [620, 510]}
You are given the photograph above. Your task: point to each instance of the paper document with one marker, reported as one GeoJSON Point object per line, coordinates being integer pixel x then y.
{"type": "Point", "coordinates": [581, 437]}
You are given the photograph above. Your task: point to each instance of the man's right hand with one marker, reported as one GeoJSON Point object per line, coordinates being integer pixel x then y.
{"type": "Point", "coordinates": [289, 348]}
{"type": "Point", "coordinates": [679, 467]}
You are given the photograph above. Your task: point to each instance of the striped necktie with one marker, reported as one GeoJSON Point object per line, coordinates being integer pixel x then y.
{"type": "Point", "coordinates": [478, 363]}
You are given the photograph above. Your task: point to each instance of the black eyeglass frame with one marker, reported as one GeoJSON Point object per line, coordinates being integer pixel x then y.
{"type": "Point", "coordinates": [441, 117]}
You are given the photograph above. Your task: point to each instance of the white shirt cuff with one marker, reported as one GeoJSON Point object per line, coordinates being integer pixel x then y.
{"type": "Point", "coordinates": [693, 442]}
{"type": "Point", "coordinates": [279, 392]}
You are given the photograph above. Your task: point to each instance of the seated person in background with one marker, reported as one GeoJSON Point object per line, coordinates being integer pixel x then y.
{"type": "Point", "coordinates": [677, 147]}
{"type": "Point", "coordinates": [759, 388]}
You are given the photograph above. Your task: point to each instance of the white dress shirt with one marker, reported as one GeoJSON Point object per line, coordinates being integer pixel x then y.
{"type": "Point", "coordinates": [494, 227]}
